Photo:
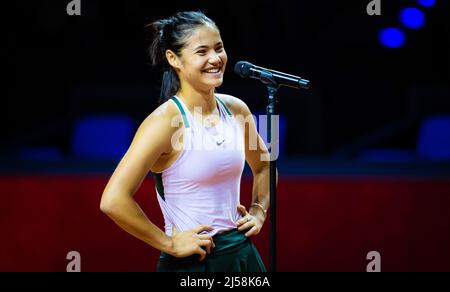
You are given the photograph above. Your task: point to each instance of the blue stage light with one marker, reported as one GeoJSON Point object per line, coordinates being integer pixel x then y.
{"type": "Point", "coordinates": [412, 18]}
{"type": "Point", "coordinates": [392, 37]}
{"type": "Point", "coordinates": [426, 3]}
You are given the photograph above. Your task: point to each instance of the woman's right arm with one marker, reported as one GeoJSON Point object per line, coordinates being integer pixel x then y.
{"type": "Point", "coordinates": [152, 139]}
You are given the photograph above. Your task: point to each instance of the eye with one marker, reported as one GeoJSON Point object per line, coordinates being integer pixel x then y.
{"type": "Point", "coordinates": [219, 49]}
{"type": "Point", "coordinates": [201, 52]}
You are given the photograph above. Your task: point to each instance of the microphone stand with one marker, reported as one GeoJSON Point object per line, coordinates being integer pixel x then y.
{"type": "Point", "coordinates": [272, 109]}
{"type": "Point", "coordinates": [269, 78]}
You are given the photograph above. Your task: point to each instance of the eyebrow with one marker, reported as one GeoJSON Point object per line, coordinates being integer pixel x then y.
{"type": "Point", "coordinates": [206, 47]}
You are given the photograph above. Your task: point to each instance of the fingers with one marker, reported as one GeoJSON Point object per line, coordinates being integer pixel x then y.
{"type": "Point", "coordinates": [200, 228]}
{"type": "Point", "coordinates": [205, 236]}
{"type": "Point", "coordinates": [252, 231]}
{"type": "Point", "coordinates": [208, 237]}
{"type": "Point", "coordinates": [202, 253]}
{"type": "Point", "coordinates": [242, 221]}
{"type": "Point", "coordinates": [246, 225]}
{"type": "Point", "coordinates": [241, 209]}
{"type": "Point", "coordinates": [193, 241]}
{"type": "Point", "coordinates": [206, 243]}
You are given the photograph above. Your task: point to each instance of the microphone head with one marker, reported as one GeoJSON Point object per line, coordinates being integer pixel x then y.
{"type": "Point", "coordinates": [242, 68]}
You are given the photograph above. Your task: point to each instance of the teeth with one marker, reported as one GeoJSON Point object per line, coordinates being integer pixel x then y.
{"type": "Point", "coordinates": [216, 70]}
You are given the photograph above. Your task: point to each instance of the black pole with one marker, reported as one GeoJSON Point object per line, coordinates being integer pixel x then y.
{"type": "Point", "coordinates": [270, 78]}
{"type": "Point", "coordinates": [272, 110]}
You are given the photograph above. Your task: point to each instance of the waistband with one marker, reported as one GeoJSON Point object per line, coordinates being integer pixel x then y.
{"type": "Point", "coordinates": [224, 242]}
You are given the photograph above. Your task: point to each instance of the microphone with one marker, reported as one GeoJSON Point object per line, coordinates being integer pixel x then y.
{"type": "Point", "coordinates": [248, 70]}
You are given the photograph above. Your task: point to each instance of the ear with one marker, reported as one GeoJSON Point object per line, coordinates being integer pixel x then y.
{"type": "Point", "coordinates": [173, 59]}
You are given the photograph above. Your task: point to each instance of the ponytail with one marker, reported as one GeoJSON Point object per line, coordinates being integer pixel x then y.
{"type": "Point", "coordinates": [169, 86]}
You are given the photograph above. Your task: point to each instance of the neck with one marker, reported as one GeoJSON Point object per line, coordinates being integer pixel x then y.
{"type": "Point", "coordinates": [194, 99]}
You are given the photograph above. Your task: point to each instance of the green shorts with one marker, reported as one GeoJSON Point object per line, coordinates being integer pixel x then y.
{"type": "Point", "coordinates": [234, 252]}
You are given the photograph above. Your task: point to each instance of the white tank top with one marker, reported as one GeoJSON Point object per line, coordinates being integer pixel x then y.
{"type": "Point", "coordinates": [203, 185]}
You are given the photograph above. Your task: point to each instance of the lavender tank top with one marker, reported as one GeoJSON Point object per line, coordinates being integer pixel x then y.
{"type": "Point", "coordinates": [202, 186]}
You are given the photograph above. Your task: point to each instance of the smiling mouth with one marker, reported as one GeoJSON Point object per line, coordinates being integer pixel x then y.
{"type": "Point", "coordinates": [213, 70]}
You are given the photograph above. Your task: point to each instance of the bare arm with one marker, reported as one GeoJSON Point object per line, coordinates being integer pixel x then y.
{"type": "Point", "coordinates": [152, 139]}
{"type": "Point", "coordinates": [255, 149]}
{"type": "Point", "coordinates": [256, 155]}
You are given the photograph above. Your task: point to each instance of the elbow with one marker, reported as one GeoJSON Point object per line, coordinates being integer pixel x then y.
{"type": "Point", "coordinates": [105, 207]}
{"type": "Point", "coordinates": [107, 204]}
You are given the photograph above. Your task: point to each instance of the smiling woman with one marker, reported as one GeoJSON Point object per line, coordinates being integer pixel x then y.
{"type": "Point", "coordinates": [198, 189]}
{"type": "Point", "coordinates": [189, 49]}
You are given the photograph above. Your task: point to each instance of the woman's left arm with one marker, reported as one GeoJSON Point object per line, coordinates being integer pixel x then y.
{"type": "Point", "coordinates": [256, 155]}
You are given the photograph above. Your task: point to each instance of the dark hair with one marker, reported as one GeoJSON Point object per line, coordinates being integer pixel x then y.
{"type": "Point", "coordinates": [171, 33]}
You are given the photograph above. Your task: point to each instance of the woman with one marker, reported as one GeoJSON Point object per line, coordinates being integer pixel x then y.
{"type": "Point", "coordinates": [196, 145]}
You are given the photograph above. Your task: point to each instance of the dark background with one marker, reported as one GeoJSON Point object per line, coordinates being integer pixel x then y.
{"type": "Point", "coordinates": [353, 176]}
{"type": "Point", "coordinates": [61, 67]}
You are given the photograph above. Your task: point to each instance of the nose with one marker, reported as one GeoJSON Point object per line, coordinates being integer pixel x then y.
{"type": "Point", "coordinates": [215, 59]}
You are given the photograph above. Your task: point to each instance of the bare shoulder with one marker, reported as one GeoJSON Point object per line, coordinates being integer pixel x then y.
{"type": "Point", "coordinates": [236, 105]}
{"type": "Point", "coordinates": [163, 115]}
{"type": "Point", "coordinates": [158, 127]}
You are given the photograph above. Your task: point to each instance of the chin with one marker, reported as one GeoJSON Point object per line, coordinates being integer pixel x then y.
{"type": "Point", "coordinates": [209, 87]}
{"type": "Point", "coordinates": [216, 83]}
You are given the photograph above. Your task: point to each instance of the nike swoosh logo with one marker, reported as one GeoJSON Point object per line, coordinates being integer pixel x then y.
{"type": "Point", "coordinates": [220, 143]}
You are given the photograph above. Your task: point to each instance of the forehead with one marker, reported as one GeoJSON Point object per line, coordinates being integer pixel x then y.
{"type": "Point", "coordinates": [206, 35]}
